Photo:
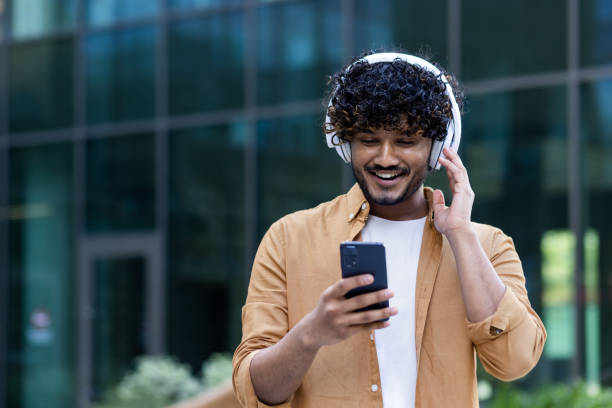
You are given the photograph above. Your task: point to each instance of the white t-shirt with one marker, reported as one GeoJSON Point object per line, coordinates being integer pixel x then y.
{"type": "Point", "coordinates": [395, 345]}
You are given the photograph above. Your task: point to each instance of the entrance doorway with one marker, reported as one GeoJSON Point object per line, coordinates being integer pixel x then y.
{"type": "Point", "coordinates": [120, 305]}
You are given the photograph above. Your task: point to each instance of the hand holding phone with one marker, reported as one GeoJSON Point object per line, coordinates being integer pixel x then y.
{"type": "Point", "coordinates": [365, 257]}
{"type": "Point", "coordinates": [358, 302]}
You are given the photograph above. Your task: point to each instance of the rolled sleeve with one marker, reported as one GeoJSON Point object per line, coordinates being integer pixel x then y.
{"type": "Point", "coordinates": [243, 386]}
{"type": "Point", "coordinates": [264, 315]}
{"type": "Point", "coordinates": [510, 342]}
{"type": "Point", "coordinates": [509, 314]}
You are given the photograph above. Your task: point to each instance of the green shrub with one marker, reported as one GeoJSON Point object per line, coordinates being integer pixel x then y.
{"type": "Point", "coordinates": [578, 395]}
{"type": "Point", "coordinates": [159, 381]}
{"type": "Point", "coordinates": [216, 370]}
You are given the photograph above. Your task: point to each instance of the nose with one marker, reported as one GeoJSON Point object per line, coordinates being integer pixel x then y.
{"type": "Point", "coordinates": [386, 156]}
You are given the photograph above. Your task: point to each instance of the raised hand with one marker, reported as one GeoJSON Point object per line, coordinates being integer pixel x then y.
{"type": "Point", "coordinates": [457, 217]}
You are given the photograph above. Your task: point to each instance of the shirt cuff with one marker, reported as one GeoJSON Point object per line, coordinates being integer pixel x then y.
{"type": "Point", "coordinates": [244, 386]}
{"type": "Point", "coordinates": [509, 314]}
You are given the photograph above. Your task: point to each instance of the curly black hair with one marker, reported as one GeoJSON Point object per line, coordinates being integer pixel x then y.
{"type": "Point", "coordinates": [391, 95]}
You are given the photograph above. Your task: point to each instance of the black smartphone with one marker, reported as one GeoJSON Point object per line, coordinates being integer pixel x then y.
{"type": "Point", "coordinates": [365, 257]}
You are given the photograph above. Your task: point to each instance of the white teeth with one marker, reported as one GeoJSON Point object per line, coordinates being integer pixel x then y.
{"type": "Point", "coordinates": [386, 175]}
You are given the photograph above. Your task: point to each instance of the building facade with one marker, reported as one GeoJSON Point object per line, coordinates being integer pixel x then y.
{"type": "Point", "coordinates": [147, 145]}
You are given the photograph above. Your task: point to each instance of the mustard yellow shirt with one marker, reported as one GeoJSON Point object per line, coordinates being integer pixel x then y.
{"type": "Point", "coordinates": [299, 257]}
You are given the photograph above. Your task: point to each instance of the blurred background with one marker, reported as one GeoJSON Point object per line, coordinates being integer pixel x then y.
{"type": "Point", "coordinates": [147, 145]}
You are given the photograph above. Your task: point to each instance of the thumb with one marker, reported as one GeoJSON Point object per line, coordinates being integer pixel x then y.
{"type": "Point", "coordinates": [438, 201]}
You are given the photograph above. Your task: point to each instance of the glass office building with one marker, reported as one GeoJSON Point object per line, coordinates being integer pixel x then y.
{"type": "Point", "coordinates": [147, 145]}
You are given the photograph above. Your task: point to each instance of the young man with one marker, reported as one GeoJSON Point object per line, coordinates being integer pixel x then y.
{"type": "Point", "coordinates": [456, 288]}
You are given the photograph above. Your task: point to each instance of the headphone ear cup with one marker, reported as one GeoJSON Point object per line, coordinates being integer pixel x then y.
{"type": "Point", "coordinates": [436, 150]}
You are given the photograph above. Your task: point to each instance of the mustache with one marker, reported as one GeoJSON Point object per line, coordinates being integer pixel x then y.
{"type": "Point", "coordinates": [399, 169]}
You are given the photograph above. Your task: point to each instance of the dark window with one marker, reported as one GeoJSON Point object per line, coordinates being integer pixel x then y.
{"type": "Point", "coordinates": [40, 85]}
{"type": "Point", "coordinates": [595, 32]}
{"type": "Point", "coordinates": [298, 46]}
{"type": "Point", "coordinates": [512, 38]}
{"type": "Point", "coordinates": [206, 64]}
{"type": "Point", "coordinates": [120, 191]}
{"type": "Point", "coordinates": [596, 117]}
{"type": "Point", "coordinates": [296, 168]}
{"type": "Point", "coordinates": [414, 26]}
{"type": "Point", "coordinates": [120, 75]}
{"type": "Point", "coordinates": [100, 12]}
{"type": "Point", "coordinates": [207, 277]}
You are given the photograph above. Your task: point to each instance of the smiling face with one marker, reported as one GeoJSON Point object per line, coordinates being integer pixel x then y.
{"type": "Point", "coordinates": [389, 165]}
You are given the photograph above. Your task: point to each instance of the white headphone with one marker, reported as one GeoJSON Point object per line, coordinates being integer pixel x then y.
{"type": "Point", "coordinates": [453, 132]}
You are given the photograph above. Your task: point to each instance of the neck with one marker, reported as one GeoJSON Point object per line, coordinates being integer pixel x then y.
{"type": "Point", "coordinates": [413, 208]}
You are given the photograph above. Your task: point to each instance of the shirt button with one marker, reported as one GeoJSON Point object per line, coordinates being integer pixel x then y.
{"type": "Point", "coordinates": [374, 387]}
{"type": "Point", "coordinates": [351, 215]}
{"type": "Point", "coordinates": [363, 206]}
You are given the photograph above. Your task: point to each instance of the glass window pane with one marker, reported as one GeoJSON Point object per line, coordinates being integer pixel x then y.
{"type": "Point", "coordinates": [121, 75]}
{"type": "Point", "coordinates": [296, 169]}
{"type": "Point", "coordinates": [33, 18]}
{"type": "Point", "coordinates": [187, 4]}
{"type": "Point", "coordinates": [118, 320]}
{"type": "Point", "coordinates": [412, 25]}
{"type": "Point", "coordinates": [41, 329]}
{"type": "Point", "coordinates": [509, 38]}
{"type": "Point", "coordinates": [206, 241]}
{"type": "Point", "coordinates": [299, 46]}
{"type": "Point", "coordinates": [206, 63]}
{"type": "Point", "coordinates": [514, 149]}
{"type": "Point", "coordinates": [120, 192]}
{"type": "Point", "coordinates": [40, 85]}
{"type": "Point", "coordinates": [595, 32]}
{"type": "Point", "coordinates": [596, 117]}
{"type": "Point", "coordinates": [100, 12]}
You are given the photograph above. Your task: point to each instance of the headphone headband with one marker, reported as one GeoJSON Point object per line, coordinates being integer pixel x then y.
{"type": "Point", "coordinates": [453, 132]}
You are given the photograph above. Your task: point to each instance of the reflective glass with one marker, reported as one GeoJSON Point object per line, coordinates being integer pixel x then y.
{"type": "Point", "coordinates": [118, 321]}
{"type": "Point", "coordinates": [120, 75]}
{"type": "Point", "coordinates": [34, 18]}
{"type": "Point", "coordinates": [296, 169]}
{"type": "Point", "coordinates": [596, 136]}
{"type": "Point", "coordinates": [207, 276]}
{"type": "Point", "coordinates": [206, 63]}
{"type": "Point", "coordinates": [41, 309]}
{"type": "Point", "coordinates": [120, 192]}
{"type": "Point", "coordinates": [187, 4]}
{"type": "Point", "coordinates": [298, 46]}
{"type": "Point", "coordinates": [514, 148]}
{"type": "Point", "coordinates": [414, 26]}
{"type": "Point", "coordinates": [40, 85]}
{"type": "Point", "coordinates": [512, 38]}
{"type": "Point", "coordinates": [595, 32]}
{"type": "Point", "coordinates": [100, 12]}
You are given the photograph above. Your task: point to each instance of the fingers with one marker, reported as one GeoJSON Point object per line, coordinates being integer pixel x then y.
{"type": "Point", "coordinates": [457, 173]}
{"type": "Point", "coordinates": [367, 299]}
{"type": "Point", "coordinates": [453, 157]}
{"type": "Point", "coordinates": [438, 201]}
{"type": "Point", "coordinates": [340, 288]}
{"type": "Point", "coordinates": [369, 327]}
{"type": "Point", "coordinates": [370, 316]}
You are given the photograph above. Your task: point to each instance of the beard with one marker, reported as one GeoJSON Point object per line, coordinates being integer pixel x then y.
{"type": "Point", "coordinates": [412, 187]}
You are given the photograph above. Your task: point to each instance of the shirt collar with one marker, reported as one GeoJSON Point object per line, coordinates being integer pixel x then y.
{"type": "Point", "coordinates": [359, 208]}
